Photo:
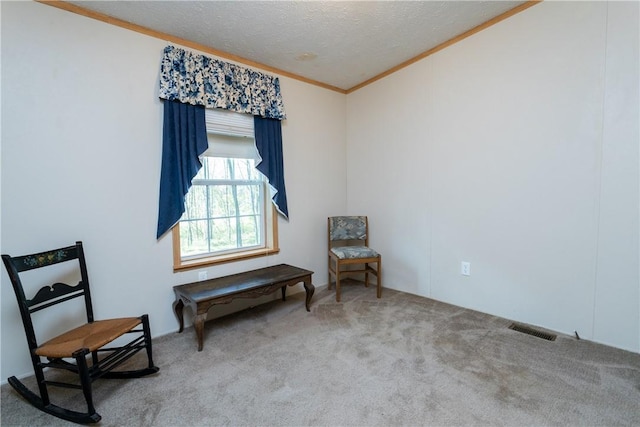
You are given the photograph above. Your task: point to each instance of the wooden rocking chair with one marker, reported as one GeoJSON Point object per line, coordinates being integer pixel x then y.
{"type": "Point", "coordinates": [72, 350]}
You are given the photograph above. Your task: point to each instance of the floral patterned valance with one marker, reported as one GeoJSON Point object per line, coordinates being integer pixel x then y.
{"type": "Point", "coordinates": [199, 80]}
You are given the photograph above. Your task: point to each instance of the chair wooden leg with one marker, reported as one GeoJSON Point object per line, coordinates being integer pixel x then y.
{"type": "Point", "coordinates": [42, 385]}
{"type": "Point", "coordinates": [147, 339]}
{"type": "Point", "coordinates": [43, 403]}
{"type": "Point", "coordinates": [329, 275]}
{"type": "Point", "coordinates": [137, 373]}
{"type": "Point", "coordinates": [337, 282]}
{"type": "Point", "coordinates": [379, 279]}
{"type": "Point", "coordinates": [49, 408]}
{"type": "Point", "coordinates": [85, 378]}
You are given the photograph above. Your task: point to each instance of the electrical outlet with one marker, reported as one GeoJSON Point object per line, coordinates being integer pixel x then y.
{"type": "Point", "coordinates": [465, 268]}
{"type": "Point", "coordinates": [202, 275]}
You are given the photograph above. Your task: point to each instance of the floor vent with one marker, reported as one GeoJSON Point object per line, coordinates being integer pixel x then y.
{"type": "Point", "coordinates": [530, 331]}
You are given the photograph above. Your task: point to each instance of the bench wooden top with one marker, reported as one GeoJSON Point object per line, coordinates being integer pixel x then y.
{"type": "Point", "coordinates": [241, 282]}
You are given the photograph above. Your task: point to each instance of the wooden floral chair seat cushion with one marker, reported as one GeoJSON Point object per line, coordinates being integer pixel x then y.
{"type": "Point", "coordinates": [354, 252]}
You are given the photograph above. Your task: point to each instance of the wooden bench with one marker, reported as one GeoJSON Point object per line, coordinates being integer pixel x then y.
{"type": "Point", "coordinates": [201, 296]}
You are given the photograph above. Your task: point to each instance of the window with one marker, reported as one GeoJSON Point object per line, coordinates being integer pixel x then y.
{"type": "Point", "coordinates": [228, 210]}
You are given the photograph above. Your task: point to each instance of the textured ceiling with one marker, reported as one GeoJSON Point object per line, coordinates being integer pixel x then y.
{"type": "Point", "coordinates": [338, 43]}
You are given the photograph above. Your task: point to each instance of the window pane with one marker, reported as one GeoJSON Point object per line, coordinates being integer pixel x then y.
{"type": "Point", "coordinates": [223, 234]}
{"type": "Point", "coordinates": [248, 199]}
{"type": "Point", "coordinates": [222, 203]}
{"type": "Point", "coordinates": [194, 239]}
{"type": "Point", "coordinates": [222, 217]}
{"type": "Point", "coordinates": [195, 203]}
{"type": "Point", "coordinates": [250, 226]}
{"type": "Point", "coordinates": [217, 168]}
{"type": "Point", "coordinates": [245, 169]}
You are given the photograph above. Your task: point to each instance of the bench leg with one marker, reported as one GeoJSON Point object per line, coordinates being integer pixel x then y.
{"type": "Point", "coordinates": [309, 289]}
{"type": "Point", "coordinates": [178, 307]}
{"type": "Point", "coordinates": [198, 323]}
{"type": "Point", "coordinates": [284, 293]}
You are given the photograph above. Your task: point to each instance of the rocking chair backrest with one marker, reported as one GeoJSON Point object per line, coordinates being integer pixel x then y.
{"type": "Point", "coordinates": [51, 295]}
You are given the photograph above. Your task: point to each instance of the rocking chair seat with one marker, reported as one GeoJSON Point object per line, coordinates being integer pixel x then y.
{"type": "Point", "coordinates": [91, 336]}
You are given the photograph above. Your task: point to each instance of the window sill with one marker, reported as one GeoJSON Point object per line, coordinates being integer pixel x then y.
{"type": "Point", "coordinates": [180, 265]}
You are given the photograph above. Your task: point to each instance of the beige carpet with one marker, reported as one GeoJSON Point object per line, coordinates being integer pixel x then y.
{"type": "Point", "coordinates": [399, 360]}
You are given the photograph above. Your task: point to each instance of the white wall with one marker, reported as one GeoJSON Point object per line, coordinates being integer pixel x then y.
{"type": "Point", "coordinates": [517, 150]}
{"type": "Point", "coordinates": [81, 149]}
{"type": "Point", "coordinates": [616, 300]}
